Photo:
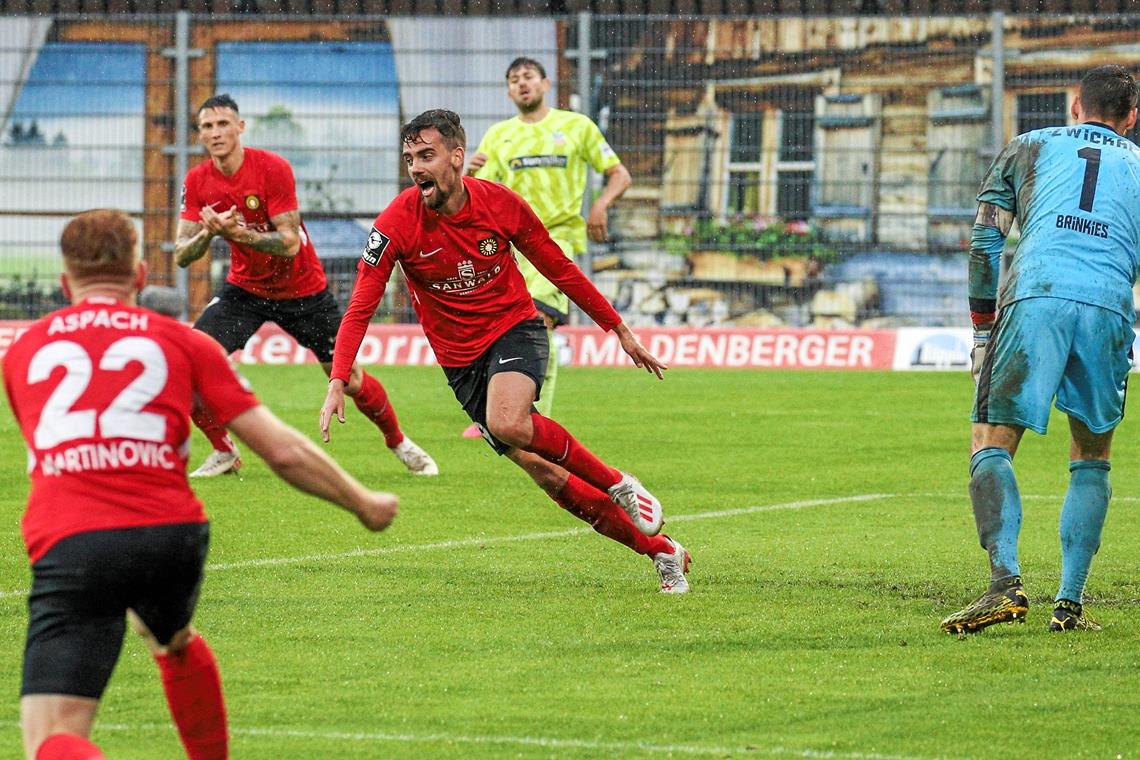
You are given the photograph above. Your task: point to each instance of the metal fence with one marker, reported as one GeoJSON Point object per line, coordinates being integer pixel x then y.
{"type": "Point", "coordinates": [787, 170]}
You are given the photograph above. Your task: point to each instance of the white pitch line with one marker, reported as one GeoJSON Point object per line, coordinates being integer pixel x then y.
{"type": "Point", "coordinates": [786, 505]}
{"type": "Point", "coordinates": [964, 495]}
{"type": "Point", "coordinates": [457, 543]}
{"type": "Point", "coordinates": [609, 747]}
{"type": "Point", "coordinates": [485, 540]}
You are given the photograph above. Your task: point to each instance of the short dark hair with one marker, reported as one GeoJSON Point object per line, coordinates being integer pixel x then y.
{"type": "Point", "coordinates": [99, 243]}
{"type": "Point", "coordinates": [221, 100]}
{"type": "Point", "coordinates": [441, 120]}
{"type": "Point", "coordinates": [1109, 92]}
{"type": "Point", "coordinates": [523, 62]}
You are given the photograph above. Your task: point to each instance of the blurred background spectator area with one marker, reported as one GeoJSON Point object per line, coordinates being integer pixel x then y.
{"type": "Point", "coordinates": [808, 164]}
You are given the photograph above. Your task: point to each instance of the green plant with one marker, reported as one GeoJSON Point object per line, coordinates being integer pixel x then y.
{"type": "Point", "coordinates": [758, 237]}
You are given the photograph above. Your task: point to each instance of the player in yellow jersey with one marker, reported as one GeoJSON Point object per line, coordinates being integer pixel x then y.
{"type": "Point", "coordinates": [542, 154]}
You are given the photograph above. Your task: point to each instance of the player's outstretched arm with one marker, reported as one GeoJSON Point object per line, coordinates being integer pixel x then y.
{"type": "Point", "coordinates": [639, 353]}
{"type": "Point", "coordinates": [334, 404]}
{"type": "Point", "coordinates": [303, 465]}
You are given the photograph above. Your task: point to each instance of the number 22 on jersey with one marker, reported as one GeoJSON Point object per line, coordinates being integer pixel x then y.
{"type": "Point", "coordinates": [123, 417]}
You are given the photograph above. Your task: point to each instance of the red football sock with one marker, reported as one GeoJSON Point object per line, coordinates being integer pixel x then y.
{"type": "Point", "coordinates": [219, 439]}
{"type": "Point", "coordinates": [553, 443]}
{"type": "Point", "coordinates": [194, 693]}
{"type": "Point", "coordinates": [585, 502]}
{"type": "Point", "coordinates": [372, 400]}
{"type": "Point", "coordinates": [68, 747]}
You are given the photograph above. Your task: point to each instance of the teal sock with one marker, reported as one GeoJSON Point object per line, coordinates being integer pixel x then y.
{"type": "Point", "coordinates": [1082, 520]}
{"type": "Point", "coordinates": [997, 509]}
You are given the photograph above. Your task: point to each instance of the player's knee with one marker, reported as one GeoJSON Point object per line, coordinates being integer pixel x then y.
{"type": "Point", "coordinates": [180, 640]}
{"type": "Point", "coordinates": [513, 432]}
{"type": "Point", "coordinates": [355, 380]}
{"type": "Point", "coordinates": [1087, 445]}
{"type": "Point", "coordinates": [355, 377]}
{"type": "Point", "coordinates": [160, 641]}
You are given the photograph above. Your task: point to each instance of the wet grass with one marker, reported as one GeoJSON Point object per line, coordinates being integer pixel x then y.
{"type": "Point", "coordinates": [830, 528]}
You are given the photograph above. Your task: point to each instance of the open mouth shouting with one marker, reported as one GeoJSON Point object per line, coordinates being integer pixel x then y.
{"type": "Point", "coordinates": [430, 192]}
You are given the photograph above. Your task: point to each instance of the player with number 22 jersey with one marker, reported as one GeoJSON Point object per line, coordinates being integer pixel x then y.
{"type": "Point", "coordinates": [104, 389]}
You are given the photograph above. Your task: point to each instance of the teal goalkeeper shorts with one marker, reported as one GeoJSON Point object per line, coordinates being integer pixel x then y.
{"type": "Point", "coordinates": [1045, 348]}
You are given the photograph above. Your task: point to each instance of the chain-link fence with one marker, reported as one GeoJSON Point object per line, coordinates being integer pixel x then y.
{"type": "Point", "coordinates": [787, 170]}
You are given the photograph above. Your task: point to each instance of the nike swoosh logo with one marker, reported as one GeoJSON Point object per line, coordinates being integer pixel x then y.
{"type": "Point", "coordinates": [512, 359]}
{"type": "Point", "coordinates": [430, 253]}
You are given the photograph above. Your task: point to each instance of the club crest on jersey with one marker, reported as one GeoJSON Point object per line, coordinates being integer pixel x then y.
{"type": "Point", "coordinates": [488, 246]}
{"type": "Point", "coordinates": [252, 202]}
{"type": "Point", "coordinates": [377, 243]}
{"type": "Point", "coordinates": [559, 138]}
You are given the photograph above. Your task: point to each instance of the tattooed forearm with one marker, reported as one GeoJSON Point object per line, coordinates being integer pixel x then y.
{"type": "Point", "coordinates": [284, 240]}
{"type": "Point", "coordinates": [272, 243]}
{"type": "Point", "coordinates": [193, 241]}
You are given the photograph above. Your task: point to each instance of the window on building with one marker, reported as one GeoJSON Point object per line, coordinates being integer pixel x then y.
{"type": "Point", "coordinates": [793, 194]}
{"type": "Point", "coordinates": [745, 153]}
{"type": "Point", "coordinates": [847, 143]}
{"type": "Point", "coordinates": [1041, 109]}
{"type": "Point", "coordinates": [744, 192]}
{"type": "Point", "coordinates": [773, 179]}
{"type": "Point", "coordinates": [795, 166]}
{"type": "Point", "coordinates": [746, 137]}
{"type": "Point", "coordinates": [797, 133]}
{"type": "Point", "coordinates": [956, 135]}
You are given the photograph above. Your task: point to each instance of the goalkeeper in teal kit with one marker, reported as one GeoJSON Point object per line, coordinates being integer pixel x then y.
{"type": "Point", "coordinates": [1059, 330]}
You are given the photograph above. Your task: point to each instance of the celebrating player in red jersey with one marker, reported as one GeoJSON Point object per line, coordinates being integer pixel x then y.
{"type": "Point", "coordinates": [249, 197]}
{"type": "Point", "coordinates": [452, 236]}
{"type": "Point", "coordinates": [102, 391]}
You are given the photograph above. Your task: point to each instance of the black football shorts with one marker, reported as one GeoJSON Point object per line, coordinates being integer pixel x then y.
{"type": "Point", "coordinates": [82, 589]}
{"type": "Point", "coordinates": [234, 314]}
{"type": "Point", "coordinates": [524, 348]}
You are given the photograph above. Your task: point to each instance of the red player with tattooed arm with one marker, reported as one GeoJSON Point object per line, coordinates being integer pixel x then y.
{"type": "Point", "coordinates": [102, 391]}
{"type": "Point", "coordinates": [452, 236]}
{"type": "Point", "coordinates": [248, 197]}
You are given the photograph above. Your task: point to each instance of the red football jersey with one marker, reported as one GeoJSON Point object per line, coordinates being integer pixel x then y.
{"type": "Point", "coordinates": [102, 392]}
{"type": "Point", "coordinates": [466, 287]}
{"type": "Point", "coordinates": [262, 188]}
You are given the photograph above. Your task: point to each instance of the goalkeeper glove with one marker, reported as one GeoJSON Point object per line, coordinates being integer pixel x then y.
{"type": "Point", "coordinates": [983, 326]}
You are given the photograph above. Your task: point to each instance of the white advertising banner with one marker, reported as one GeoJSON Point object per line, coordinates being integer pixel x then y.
{"type": "Point", "coordinates": [923, 348]}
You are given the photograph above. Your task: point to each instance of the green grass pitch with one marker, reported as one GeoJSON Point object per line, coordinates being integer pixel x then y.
{"type": "Point", "coordinates": [830, 527]}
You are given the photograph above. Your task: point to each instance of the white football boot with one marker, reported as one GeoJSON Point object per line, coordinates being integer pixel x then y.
{"type": "Point", "coordinates": [671, 568]}
{"type": "Point", "coordinates": [414, 458]}
{"type": "Point", "coordinates": [219, 463]}
{"type": "Point", "coordinates": [641, 506]}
